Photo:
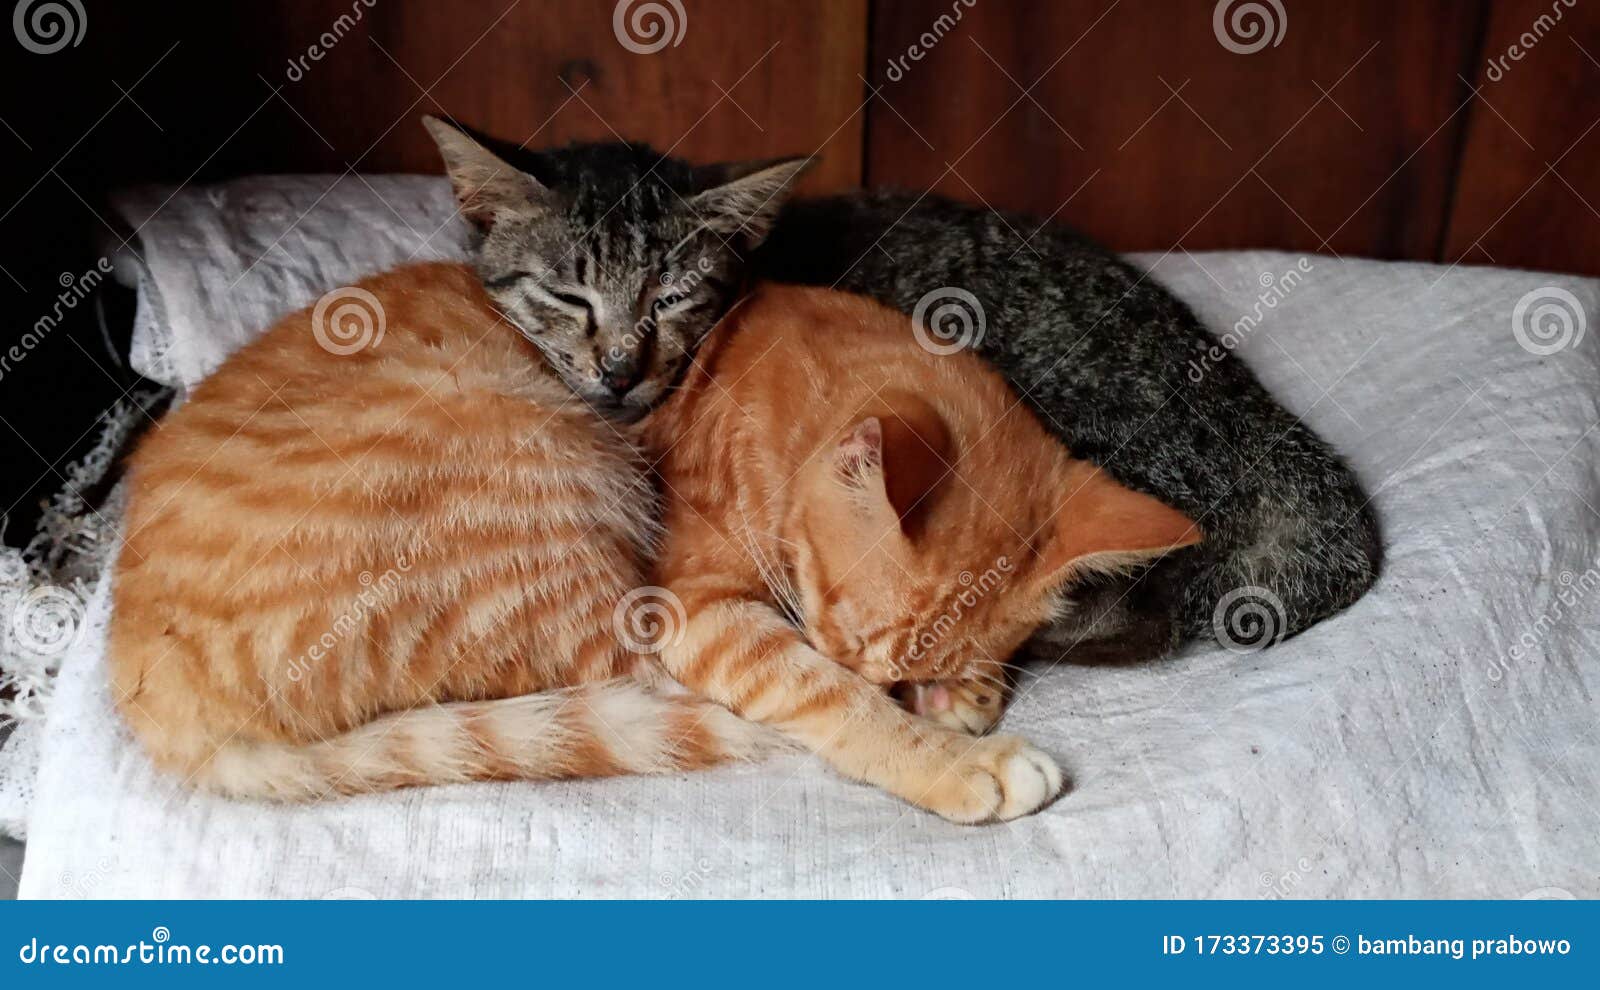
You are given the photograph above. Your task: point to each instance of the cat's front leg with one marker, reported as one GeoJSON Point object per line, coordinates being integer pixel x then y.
{"type": "Point", "coordinates": [741, 654]}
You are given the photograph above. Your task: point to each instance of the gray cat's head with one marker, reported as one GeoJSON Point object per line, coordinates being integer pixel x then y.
{"type": "Point", "coordinates": [614, 259]}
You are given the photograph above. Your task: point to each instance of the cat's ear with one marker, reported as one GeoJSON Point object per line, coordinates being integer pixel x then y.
{"type": "Point", "coordinates": [1102, 527]}
{"type": "Point", "coordinates": [856, 463]}
{"type": "Point", "coordinates": [487, 188]}
{"type": "Point", "coordinates": [893, 462]}
{"type": "Point", "coordinates": [858, 459]}
{"type": "Point", "coordinates": [747, 196]}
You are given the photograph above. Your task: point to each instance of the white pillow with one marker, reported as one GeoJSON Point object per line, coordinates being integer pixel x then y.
{"type": "Point", "coordinates": [219, 264]}
{"type": "Point", "coordinates": [1437, 739]}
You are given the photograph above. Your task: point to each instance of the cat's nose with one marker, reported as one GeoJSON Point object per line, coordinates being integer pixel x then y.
{"type": "Point", "coordinates": [620, 376]}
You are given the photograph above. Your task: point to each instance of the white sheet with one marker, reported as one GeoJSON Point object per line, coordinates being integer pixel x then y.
{"type": "Point", "coordinates": [1393, 751]}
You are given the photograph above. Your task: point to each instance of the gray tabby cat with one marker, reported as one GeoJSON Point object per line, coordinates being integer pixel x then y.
{"type": "Point", "coordinates": [617, 260]}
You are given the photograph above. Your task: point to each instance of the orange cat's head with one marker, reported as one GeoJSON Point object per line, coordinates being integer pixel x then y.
{"type": "Point", "coordinates": [928, 550]}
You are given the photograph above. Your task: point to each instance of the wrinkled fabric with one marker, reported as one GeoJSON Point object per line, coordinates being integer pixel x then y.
{"type": "Point", "coordinates": [1437, 739]}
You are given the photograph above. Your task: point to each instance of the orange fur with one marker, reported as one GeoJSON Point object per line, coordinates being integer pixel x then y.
{"type": "Point", "coordinates": [336, 563]}
{"type": "Point", "coordinates": [917, 514]}
{"type": "Point", "coordinates": [402, 566]}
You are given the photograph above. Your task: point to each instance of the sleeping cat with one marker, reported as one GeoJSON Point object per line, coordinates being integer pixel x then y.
{"type": "Point", "coordinates": [1099, 351]}
{"type": "Point", "coordinates": [403, 565]}
{"type": "Point", "coordinates": [1108, 359]}
{"type": "Point", "coordinates": [352, 572]}
{"type": "Point", "coordinates": [846, 510]}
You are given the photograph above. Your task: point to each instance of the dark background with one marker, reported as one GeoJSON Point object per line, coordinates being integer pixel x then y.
{"type": "Point", "coordinates": [1373, 128]}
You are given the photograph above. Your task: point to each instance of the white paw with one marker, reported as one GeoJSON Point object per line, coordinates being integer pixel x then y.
{"type": "Point", "coordinates": [1030, 779]}
{"type": "Point", "coordinates": [996, 778]}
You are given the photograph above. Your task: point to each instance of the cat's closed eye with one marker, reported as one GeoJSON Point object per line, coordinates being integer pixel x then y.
{"type": "Point", "coordinates": [571, 299]}
{"type": "Point", "coordinates": [506, 280]}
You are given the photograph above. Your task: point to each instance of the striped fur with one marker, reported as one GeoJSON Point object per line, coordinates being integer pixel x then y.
{"type": "Point", "coordinates": [919, 519]}
{"type": "Point", "coordinates": [396, 566]}
{"type": "Point", "coordinates": [402, 566]}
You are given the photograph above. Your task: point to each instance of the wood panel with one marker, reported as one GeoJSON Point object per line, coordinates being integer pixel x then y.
{"type": "Point", "coordinates": [196, 92]}
{"type": "Point", "coordinates": [551, 72]}
{"type": "Point", "coordinates": [1142, 128]}
{"type": "Point", "coordinates": [1529, 188]}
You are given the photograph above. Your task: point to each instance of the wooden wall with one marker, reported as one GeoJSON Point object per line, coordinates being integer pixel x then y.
{"type": "Point", "coordinates": [1442, 130]}
{"type": "Point", "coordinates": [1371, 128]}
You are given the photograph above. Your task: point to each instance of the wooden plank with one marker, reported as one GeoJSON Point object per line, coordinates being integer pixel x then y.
{"type": "Point", "coordinates": [744, 80]}
{"type": "Point", "coordinates": [1529, 189]}
{"type": "Point", "coordinates": [1143, 129]}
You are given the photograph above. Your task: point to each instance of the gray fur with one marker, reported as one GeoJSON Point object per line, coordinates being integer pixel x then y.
{"type": "Point", "coordinates": [1104, 357]}
{"type": "Point", "coordinates": [1100, 353]}
{"type": "Point", "coordinates": [614, 259]}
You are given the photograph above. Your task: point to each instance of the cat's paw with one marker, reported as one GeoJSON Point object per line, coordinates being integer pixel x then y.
{"type": "Point", "coordinates": [966, 706]}
{"type": "Point", "coordinates": [996, 778]}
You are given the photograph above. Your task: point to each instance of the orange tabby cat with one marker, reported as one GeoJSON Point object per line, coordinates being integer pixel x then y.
{"type": "Point", "coordinates": [911, 517]}
{"type": "Point", "coordinates": [348, 572]}
{"type": "Point", "coordinates": [335, 563]}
